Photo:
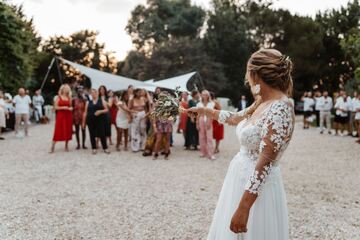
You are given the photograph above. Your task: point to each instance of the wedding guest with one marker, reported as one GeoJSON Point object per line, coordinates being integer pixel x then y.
{"type": "Point", "coordinates": [95, 116]}
{"type": "Point", "coordinates": [349, 110]}
{"type": "Point", "coordinates": [130, 91]}
{"type": "Point", "coordinates": [3, 114]}
{"type": "Point", "coordinates": [192, 134]}
{"type": "Point", "coordinates": [10, 109]}
{"type": "Point", "coordinates": [22, 109]}
{"type": "Point", "coordinates": [63, 122]}
{"type": "Point", "coordinates": [357, 115]}
{"type": "Point", "coordinates": [138, 125]}
{"type": "Point", "coordinates": [162, 129]}
{"type": "Point", "coordinates": [38, 103]}
{"type": "Point", "coordinates": [157, 92]}
{"type": "Point", "coordinates": [325, 105]}
{"type": "Point", "coordinates": [341, 113]}
{"type": "Point", "coordinates": [204, 126]}
{"type": "Point", "coordinates": [123, 119]}
{"type": "Point", "coordinates": [317, 97]}
{"type": "Point", "coordinates": [103, 95]}
{"type": "Point", "coordinates": [183, 116]}
{"type": "Point", "coordinates": [218, 128]}
{"type": "Point", "coordinates": [78, 104]}
{"type": "Point", "coordinates": [113, 107]}
{"type": "Point", "coordinates": [243, 103]}
{"type": "Point", "coordinates": [352, 124]}
{"type": "Point", "coordinates": [149, 105]}
{"type": "Point", "coordinates": [308, 109]}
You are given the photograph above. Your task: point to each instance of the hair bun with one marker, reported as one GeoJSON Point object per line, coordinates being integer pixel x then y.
{"type": "Point", "coordinates": [273, 68]}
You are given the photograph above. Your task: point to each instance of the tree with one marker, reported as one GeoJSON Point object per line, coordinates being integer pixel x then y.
{"type": "Point", "coordinates": [161, 20]}
{"type": "Point", "coordinates": [18, 48]}
{"type": "Point", "coordinates": [299, 37]}
{"type": "Point", "coordinates": [337, 24]}
{"type": "Point", "coordinates": [80, 47]}
{"type": "Point", "coordinates": [176, 57]}
{"type": "Point", "coordinates": [351, 47]}
{"type": "Point", "coordinates": [227, 41]}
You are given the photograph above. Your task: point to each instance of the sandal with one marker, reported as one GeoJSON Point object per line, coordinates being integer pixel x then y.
{"type": "Point", "coordinates": [155, 156]}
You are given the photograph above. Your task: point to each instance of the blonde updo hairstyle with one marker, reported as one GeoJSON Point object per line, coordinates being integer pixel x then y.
{"type": "Point", "coordinates": [273, 68]}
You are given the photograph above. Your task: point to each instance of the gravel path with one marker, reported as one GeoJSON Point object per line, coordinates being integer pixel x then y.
{"type": "Point", "coordinates": [123, 195]}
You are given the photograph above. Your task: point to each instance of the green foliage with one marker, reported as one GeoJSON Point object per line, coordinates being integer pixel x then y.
{"type": "Point", "coordinates": [18, 48]}
{"type": "Point", "coordinates": [161, 20]}
{"type": "Point", "coordinates": [351, 47]}
{"type": "Point", "coordinates": [175, 57]}
{"type": "Point", "coordinates": [227, 41]}
{"type": "Point", "coordinates": [174, 37]}
{"type": "Point", "coordinates": [336, 69]}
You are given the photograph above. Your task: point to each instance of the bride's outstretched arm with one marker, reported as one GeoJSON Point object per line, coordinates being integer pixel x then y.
{"type": "Point", "coordinates": [222, 116]}
{"type": "Point", "coordinates": [276, 131]}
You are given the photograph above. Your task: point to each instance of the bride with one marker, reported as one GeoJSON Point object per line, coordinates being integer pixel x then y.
{"type": "Point", "coordinates": [252, 203]}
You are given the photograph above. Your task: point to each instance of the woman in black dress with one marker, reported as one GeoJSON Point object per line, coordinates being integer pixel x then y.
{"type": "Point", "coordinates": [103, 94]}
{"type": "Point", "coordinates": [95, 114]}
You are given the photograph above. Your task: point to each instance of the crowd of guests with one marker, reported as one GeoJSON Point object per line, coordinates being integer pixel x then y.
{"type": "Point", "coordinates": [95, 112]}
{"type": "Point", "coordinates": [321, 108]}
{"type": "Point", "coordinates": [17, 111]}
{"type": "Point", "coordinates": [129, 113]}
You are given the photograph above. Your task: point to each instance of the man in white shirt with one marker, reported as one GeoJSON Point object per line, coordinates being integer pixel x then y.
{"type": "Point", "coordinates": [341, 113]}
{"type": "Point", "coordinates": [325, 105]}
{"type": "Point", "coordinates": [22, 108]}
{"type": "Point", "coordinates": [352, 125]}
{"type": "Point", "coordinates": [38, 102]}
{"type": "Point", "coordinates": [308, 109]}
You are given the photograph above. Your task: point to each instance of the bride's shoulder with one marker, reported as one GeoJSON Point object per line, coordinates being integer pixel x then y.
{"type": "Point", "coordinates": [283, 104]}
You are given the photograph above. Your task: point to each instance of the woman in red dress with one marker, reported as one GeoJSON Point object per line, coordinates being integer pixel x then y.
{"type": "Point", "coordinates": [63, 122]}
{"type": "Point", "coordinates": [183, 116]}
{"type": "Point", "coordinates": [218, 128]}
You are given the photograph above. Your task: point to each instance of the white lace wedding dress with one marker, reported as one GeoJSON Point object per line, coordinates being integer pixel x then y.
{"type": "Point", "coordinates": [256, 169]}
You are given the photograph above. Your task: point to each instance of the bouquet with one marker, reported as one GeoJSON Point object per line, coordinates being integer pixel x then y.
{"type": "Point", "coordinates": [167, 106]}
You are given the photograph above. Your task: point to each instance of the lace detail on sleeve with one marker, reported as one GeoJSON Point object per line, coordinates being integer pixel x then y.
{"type": "Point", "coordinates": [276, 130]}
{"type": "Point", "coordinates": [228, 117]}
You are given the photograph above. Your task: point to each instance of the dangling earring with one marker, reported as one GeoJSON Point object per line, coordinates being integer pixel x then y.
{"type": "Point", "coordinates": [256, 89]}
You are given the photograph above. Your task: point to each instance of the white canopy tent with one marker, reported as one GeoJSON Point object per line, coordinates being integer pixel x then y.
{"type": "Point", "coordinates": [111, 81]}
{"type": "Point", "coordinates": [171, 83]}
{"type": "Point", "coordinates": [118, 83]}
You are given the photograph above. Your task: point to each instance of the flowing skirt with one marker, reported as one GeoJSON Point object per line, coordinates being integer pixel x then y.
{"type": "Point", "coordinates": [268, 218]}
{"type": "Point", "coordinates": [63, 126]}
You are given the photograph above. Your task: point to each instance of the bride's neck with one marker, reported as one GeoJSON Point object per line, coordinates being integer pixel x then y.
{"type": "Point", "coordinates": [268, 93]}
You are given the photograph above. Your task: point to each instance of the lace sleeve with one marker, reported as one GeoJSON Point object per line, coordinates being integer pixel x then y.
{"type": "Point", "coordinates": [230, 117]}
{"type": "Point", "coordinates": [276, 130]}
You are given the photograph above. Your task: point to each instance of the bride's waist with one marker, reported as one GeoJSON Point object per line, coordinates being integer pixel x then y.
{"type": "Point", "coordinates": [250, 158]}
{"type": "Point", "coordinates": [247, 154]}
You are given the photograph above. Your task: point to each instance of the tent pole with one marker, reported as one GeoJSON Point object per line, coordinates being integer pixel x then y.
{"type": "Point", "coordinates": [47, 73]}
{"type": "Point", "coordinates": [58, 68]}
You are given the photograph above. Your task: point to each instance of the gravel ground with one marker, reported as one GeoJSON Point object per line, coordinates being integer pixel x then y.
{"type": "Point", "coordinates": [123, 195]}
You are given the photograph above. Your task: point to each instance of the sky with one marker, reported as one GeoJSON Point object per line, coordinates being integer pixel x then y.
{"type": "Point", "coordinates": [109, 17]}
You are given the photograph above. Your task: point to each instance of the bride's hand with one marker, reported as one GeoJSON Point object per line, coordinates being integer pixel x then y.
{"type": "Point", "coordinates": [239, 220]}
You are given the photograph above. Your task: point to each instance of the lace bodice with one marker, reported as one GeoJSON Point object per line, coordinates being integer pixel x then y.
{"type": "Point", "coordinates": [265, 140]}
